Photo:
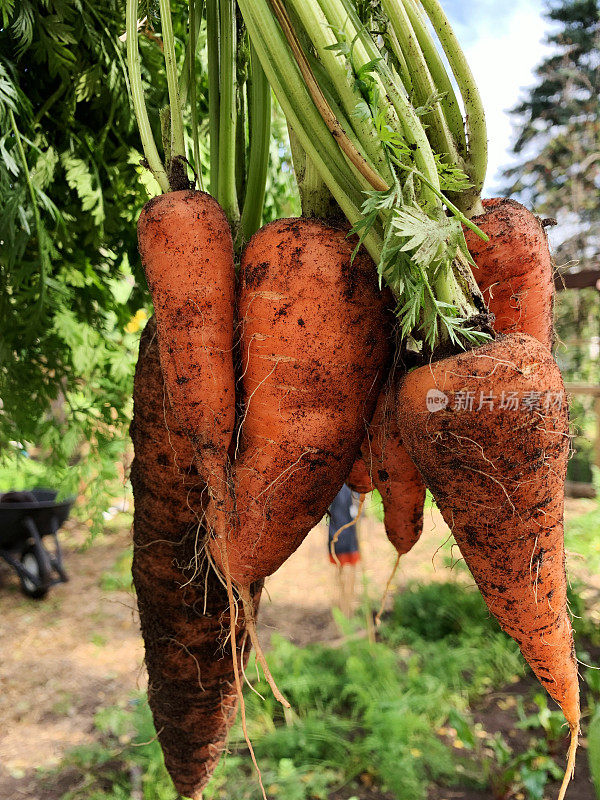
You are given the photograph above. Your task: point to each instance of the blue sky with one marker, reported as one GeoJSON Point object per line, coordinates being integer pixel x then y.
{"type": "Point", "coordinates": [503, 41]}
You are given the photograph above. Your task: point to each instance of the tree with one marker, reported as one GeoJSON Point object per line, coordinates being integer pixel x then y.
{"type": "Point", "coordinates": [559, 134]}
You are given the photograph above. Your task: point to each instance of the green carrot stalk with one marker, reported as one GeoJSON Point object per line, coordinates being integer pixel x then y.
{"type": "Point", "coordinates": [191, 72]}
{"type": "Point", "coordinates": [475, 113]}
{"type": "Point", "coordinates": [303, 117]}
{"type": "Point", "coordinates": [259, 119]}
{"type": "Point", "coordinates": [214, 94]}
{"type": "Point", "coordinates": [227, 193]}
{"type": "Point", "coordinates": [420, 251]}
{"type": "Point", "coordinates": [177, 140]}
{"type": "Point", "coordinates": [421, 78]}
{"type": "Point", "coordinates": [153, 160]}
{"type": "Point", "coordinates": [239, 110]}
{"type": "Point", "coordinates": [441, 80]}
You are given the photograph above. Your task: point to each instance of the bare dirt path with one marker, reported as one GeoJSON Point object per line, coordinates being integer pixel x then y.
{"type": "Point", "coordinates": [64, 658]}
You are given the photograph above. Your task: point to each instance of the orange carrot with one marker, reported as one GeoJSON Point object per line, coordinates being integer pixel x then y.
{"type": "Point", "coordinates": [187, 253]}
{"type": "Point", "coordinates": [515, 274]}
{"type": "Point", "coordinates": [359, 479]}
{"type": "Point", "coordinates": [394, 475]}
{"type": "Point", "coordinates": [496, 466]}
{"type": "Point", "coordinates": [514, 269]}
{"type": "Point", "coordinates": [314, 353]}
{"type": "Point", "coordinates": [184, 609]}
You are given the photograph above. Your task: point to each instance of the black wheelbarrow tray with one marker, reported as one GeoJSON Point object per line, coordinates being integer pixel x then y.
{"type": "Point", "coordinates": [24, 522]}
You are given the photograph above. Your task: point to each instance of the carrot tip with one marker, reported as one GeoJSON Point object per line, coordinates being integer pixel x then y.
{"type": "Point", "coordinates": [260, 656]}
{"type": "Point", "coordinates": [570, 770]}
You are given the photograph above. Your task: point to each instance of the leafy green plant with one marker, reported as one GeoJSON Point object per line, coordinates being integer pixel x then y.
{"type": "Point", "coordinates": [551, 721]}
{"type": "Point", "coordinates": [528, 772]}
{"type": "Point", "coordinates": [383, 710]}
{"type": "Point", "coordinates": [593, 738]}
{"type": "Point", "coordinates": [68, 280]}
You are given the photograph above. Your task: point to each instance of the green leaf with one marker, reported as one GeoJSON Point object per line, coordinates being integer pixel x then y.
{"type": "Point", "coordinates": [427, 240]}
{"type": "Point", "coordinates": [89, 83]}
{"type": "Point", "coordinates": [80, 179]}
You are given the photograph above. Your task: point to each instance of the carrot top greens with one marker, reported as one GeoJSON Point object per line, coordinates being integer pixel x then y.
{"type": "Point", "coordinates": [239, 101]}
{"type": "Point", "coordinates": [381, 106]}
{"type": "Point", "coordinates": [370, 101]}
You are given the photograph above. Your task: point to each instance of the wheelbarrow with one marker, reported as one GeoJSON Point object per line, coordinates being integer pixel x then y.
{"type": "Point", "coordinates": [26, 518]}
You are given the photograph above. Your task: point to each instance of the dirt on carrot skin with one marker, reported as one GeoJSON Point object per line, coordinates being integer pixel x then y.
{"type": "Point", "coordinates": [314, 354]}
{"type": "Point", "coordinates": [497, 474]}
{"type": "Point", "coordinates": [183, 606]}
{"type": "Point", "coordinates": [514, 269]}
{"type": "Point", "coordinates": [187, 252]}
{"type": "Point", "coordinates": [359, 479]}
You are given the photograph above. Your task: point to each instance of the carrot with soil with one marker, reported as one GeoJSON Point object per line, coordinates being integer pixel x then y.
{"type": "Point", "coordinates": [313, 355]}
{"type": "Point", "coordinates": [359, 478]}
{"type": "Point", "coordinates": [515, 275]}
{"type": "Point", "coordinates": [394, 475]}
{"type": "Point", "coordinates": [496, 468]}
{"type": "Point", "coordinates": [186, 245]}
{"type": "Point", "coordinates": [187, 253]}
{"type": "Point", "coordinates": [396, 479]}
{"type": "Point", "coordinates": [514, 269]}
{"type": "Point", "coordinates": [184, 608]}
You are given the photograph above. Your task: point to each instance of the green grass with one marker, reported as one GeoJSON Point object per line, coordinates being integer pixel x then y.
{"type": "Point", "coordinates": [582, 538]}
{"type": "Point", "coordinates": [118, 578]}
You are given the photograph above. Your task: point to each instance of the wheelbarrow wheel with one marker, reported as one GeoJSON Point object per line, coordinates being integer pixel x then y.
{"type": "Point", "coordinates": [30, 561]}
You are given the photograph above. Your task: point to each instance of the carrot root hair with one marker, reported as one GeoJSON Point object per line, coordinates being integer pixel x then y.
{"type": "Point", "coordinates": [386, 592]}
{"type": "Point", "coordinates": [570, 770]}
{"type": "Point", "coordinates": [249, 616]}
{"type": "Point", "coordinates": [236, 671]}
{"type": "Point", "coordinates": [336, 535]}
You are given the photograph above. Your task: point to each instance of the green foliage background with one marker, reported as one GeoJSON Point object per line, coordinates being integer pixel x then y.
{"type": "Point", "coordinates": [558, 175]}
{"type": "Point", "coordinates": [69, 276]}
{"type": "Point", "coordinates": [558, 139]}
{"type": "Point", "coordinates": [71, 188]}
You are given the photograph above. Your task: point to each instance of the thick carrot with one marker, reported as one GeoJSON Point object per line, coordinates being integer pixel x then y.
{"type": "Point", "coordinates": [495, 459]}
{"type": "Point", "coordinates": [514, 269]}
{"type": "Point", "coordinates": [184, 608]}
{"type": "Point", "coordinates": [314, 354]}
{"type": "Point", "coordinates": [187, 252]}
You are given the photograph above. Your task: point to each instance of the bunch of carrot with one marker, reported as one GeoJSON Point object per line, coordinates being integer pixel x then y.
{"type": "Point", "coordinates": [279, 383]}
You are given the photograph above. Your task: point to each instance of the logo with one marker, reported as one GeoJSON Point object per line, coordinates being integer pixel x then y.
{"type": "Point", "coordinates": [436, 400]}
